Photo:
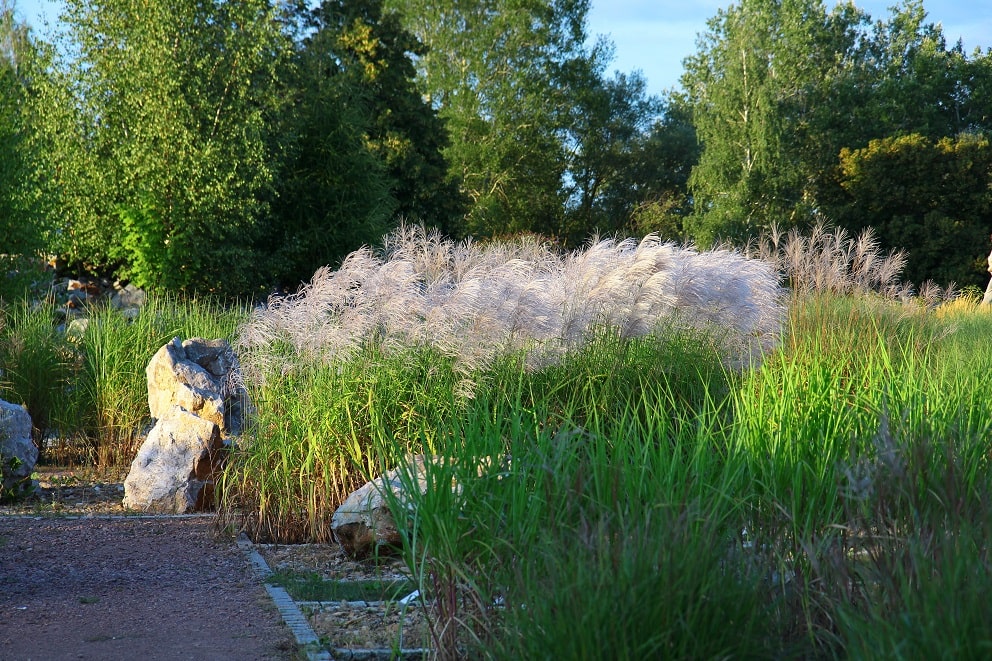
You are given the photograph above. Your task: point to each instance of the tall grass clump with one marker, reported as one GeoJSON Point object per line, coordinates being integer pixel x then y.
{"type": "Point", "coordinates": [36, 363]}
{"type": "Point", "coordinates": [865, 446]}
{"type": "Point", "coordinates": [837, 496]}
{"type": "Point", "coordinates": [833, 502]}
{"type": "Point", "coordinates": [604, 480]}
{"type": "Point", "coordinates": [84, 383]}
{"type": "Point", "coordinates": [110, 404]}
{"type": "Point", "coordinates": [827, 260]}
{"type": "Point", "coordinates": [595, 514]}
{"type": "Point", "coordinates": [474, 302]}
{"type": "Point", "coordinates": [321, 430]}
{"type": "Point", "coordinates": [334, 367]}
{"type": "Point", "coordinates": [921, 502]}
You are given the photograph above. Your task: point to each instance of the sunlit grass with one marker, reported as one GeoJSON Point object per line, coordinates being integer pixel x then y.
{"type": "Point", "coordinates": [322, 430]}
{"type": "Point", "coordinates": [638, 493]}
{"type": "Point", "coordinates": [85, 384]}
{"type": "Point", "coordinates": [643, 494]}
{"type": "Point", "coordinates": [836, 495]}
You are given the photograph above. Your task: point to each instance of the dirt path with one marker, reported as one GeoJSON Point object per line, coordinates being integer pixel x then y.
{"type": "Point", "coordinates": [135, 588]}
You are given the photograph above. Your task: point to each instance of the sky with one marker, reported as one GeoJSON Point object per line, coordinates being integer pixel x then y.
{"type": "Point", "coordinates": [654, 36]}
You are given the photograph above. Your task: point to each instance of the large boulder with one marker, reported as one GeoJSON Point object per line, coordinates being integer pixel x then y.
{"type": "Point", "coordinates": [18, 453]}
{"type": "Point", "coordinates": [175, 467]}
{"type": "Point", "coordinates": [200, 376]}
{"type": "Point", "coordinates": [196, 403]}
{"type": "Point", "coordinates": [363, 524]}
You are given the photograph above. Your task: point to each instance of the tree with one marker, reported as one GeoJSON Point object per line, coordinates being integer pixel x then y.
{"type": "Point", "coordinates": [333, 193]}
{"type": "Point", "coordinates": [20, 225]}
{"type": "Point", "coordinates": [762, 74]}
{"type": "Point", "coordinates": [155, 125]}
{"type": "Point", "coordinates": [661, 167]}
{"type": "Point", "coordinates": [606, 138]}
{"type": "Point", "coordinates": [368, 48]}
{"type": "Point", "coordinates": [932, 197]}
{"type": "Point", "coordinates": [494, 72]}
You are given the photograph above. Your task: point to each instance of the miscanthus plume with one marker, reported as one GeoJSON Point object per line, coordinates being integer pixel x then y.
{"type": "Point", "coordinates": [475, 301]}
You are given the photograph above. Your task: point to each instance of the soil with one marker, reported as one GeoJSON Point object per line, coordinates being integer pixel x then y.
{"type": "Point", "coordinates": [82, 578]}
{"type": "Point", "coordinates": [79, 581]}
{"type": "Point", "coordinates": [353, 625]}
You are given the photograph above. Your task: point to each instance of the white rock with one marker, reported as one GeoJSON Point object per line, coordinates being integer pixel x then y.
{"type": "Point", "coordinates": [18, 453]}
{"type": "Point", "coordinates": [174, 469]}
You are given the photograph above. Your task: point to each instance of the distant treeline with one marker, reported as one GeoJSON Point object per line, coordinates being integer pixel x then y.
{"type": "Point", "coordinates": [228, 146]}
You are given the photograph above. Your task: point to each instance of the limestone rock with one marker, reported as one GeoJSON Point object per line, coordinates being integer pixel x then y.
{"type": "Point", "coordinates": [127, 297]}
{"type": "Point", "coordinates": [196, 375]}
{"type": "Point", "coordinates": [363, 524]}
{"type": "Point", "coordinates": [18, 453]}
{"type": "Point", "coordinates": [174, 469]}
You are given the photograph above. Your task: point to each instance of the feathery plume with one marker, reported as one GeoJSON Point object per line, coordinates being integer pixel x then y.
{"type": "Point", "coordinates": [475, 302]}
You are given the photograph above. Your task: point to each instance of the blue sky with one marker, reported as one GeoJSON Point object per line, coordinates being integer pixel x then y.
{"type": "Point", "coordinates": [654, 36]}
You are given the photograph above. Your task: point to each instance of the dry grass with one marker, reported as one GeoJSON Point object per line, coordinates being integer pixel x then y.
{"type": "Point", "coordinates": [827, 260]}
{"type": "Point", "coordinates": [475, 301]}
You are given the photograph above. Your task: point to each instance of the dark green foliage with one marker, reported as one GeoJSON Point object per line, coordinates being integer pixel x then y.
{"type": "Point", "coordinates": [659, 171]}
{"type": "Point", "coordinates": [333, 195]}
{"type": "Point", "coordinates": [21, 232]}
{"type": "Point", "coordinates": [932, 197]}
{"type": "Point", "coordinates": [610, 131]}
{"type": "Point", "coordinates": [360, 146]}
{"type": "Point", "coordinates": [17, 489]}
{"type": "Point", "coordinates": [367, 48]}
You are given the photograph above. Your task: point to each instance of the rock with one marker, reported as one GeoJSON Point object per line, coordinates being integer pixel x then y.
{"type": "Point", "coordinates": [18, 453]}
{"type": "Point", "coordinates": [215, 356]}
{"type": "Point", "coordinates": [76, 328]}
{"type": "Point", "coordinates": [195, 404]}
{"type": "Point", "coordinates": [128, 297]}
{"type": "Point", "coordinates": [363, 524]}
{"type": "Point", "coordinates": [199, 376]}
{"type": "Point", "coordinates": [131, 313]}
{"type": "Point", "coordinates": [175, 467]}
{"type": "Point", "coordinates": [86, 288]}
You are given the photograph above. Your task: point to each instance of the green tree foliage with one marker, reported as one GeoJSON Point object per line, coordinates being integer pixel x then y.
{"type": "Point", "coordinates": [907, 80]}
{"type": "Point", "coordinates": [370, 50]}
{"type": "Point", "coordinates": [221, 146]}
{"type": "Point", "coordinates": [489, 69]}
{"type": "Point", "coordinates": [762, 71]}
{"type": "Point", "coordinates": [779, 87]}
{"type": "Point", "coordinates": [933, 197]}
{"type": "Point", "coordinates": [20, 230]}
{"type": "Point", "coordinates": [156, 128]}
{"type": "Point", "coordinates": [541, 140]}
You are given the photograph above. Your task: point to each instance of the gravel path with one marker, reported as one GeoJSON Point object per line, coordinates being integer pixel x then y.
{"type": "Point", "coordinates": [131, 588]}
